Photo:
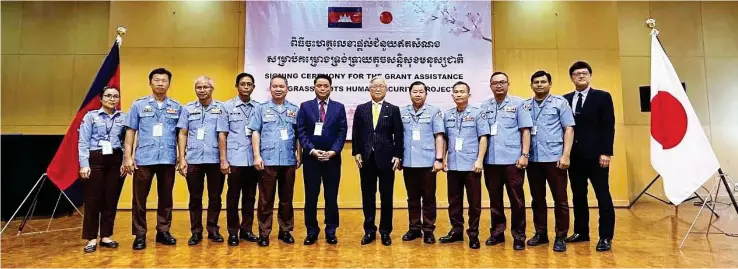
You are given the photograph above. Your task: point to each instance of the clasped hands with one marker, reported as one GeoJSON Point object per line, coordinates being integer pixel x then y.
{"type": "Point", "coordinates": [323, 155]}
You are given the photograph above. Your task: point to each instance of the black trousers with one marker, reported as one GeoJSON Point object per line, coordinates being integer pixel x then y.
{"type": "Point", "coordinates": [101, 192]}
{"type": "Point", "coordinates": [195, 184]}
{"type": "Point", "coordinates": [241, 182]}
{"type": "Point", "coordinates": [370, 172]}
{"type": "Point", "coordinates": [328, 174]}
{"type": "Point", "coordinates": [142, 179]}
{"type": "Point", "coordinates": [421, 184]}
{"type": "Point", "coordinates": [580, 170]}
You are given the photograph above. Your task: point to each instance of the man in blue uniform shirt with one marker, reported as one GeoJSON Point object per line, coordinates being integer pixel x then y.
{"type": "Point", "coordinates": [423, 157]}
{"type": "Point", "coordinates": [198, 155]}
{"type": "Point", "coordinates": [237, 159]}
{"type": "Point", "coordinates": [154, 120]}
{"type": "Point", "coordinates": [277, 155]}
{"type": "Point", "coordinates": [506, 159]}
{"type": "Point", "coordinates": [467, 131]}
{"type": "Point", "coordinates": [552, 137]}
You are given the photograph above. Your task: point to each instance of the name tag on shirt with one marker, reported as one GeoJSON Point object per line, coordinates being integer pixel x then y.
{"type": "Point", "coordinates": [318, 129]}
{"type": "Point", "coordinates": [247, 130]}
{"type": "Point", "coordinates": [200, 133]}
{"type": "Point", "coordinates": [107, 147]}
{"type": "Point", "coordinates": [416, 135]}
{"type": "Point", "coordinates": [534, 130]}
{"type": "Point", "coordinates": [493, 129]}
{"type": "Point", "coordinates": [459, 144]}
{"type": "Point", "coordinates": [158, 130]}
{"type": "Point", "coordinates": [283, 134]}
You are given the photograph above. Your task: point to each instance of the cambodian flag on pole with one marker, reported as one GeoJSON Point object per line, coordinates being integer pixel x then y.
{"type": "Point", "coordinates": [680, 150]}
{"type": "Point", "coordinates": [64, 168]}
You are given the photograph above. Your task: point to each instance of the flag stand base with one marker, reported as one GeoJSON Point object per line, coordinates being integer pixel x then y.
{"type": "Point", "coordinates": [37, 188]}
{"type": "Point", "coordinates": [645, 191]}
{"type": "Point", "coordinates": [723, 178]}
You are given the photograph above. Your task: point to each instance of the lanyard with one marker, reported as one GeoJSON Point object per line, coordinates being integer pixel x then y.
{"type": "Point", "coordinates": [540, 107]}
{"type": "Point", "coordinates": [109, 129]}
{"type": "Point", "coordinates": [245, 113]}
{"type": "Point", "coordinates": [498, 107]}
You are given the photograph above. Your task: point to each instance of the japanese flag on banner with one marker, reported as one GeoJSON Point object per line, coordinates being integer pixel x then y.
{"type": "Point", "coordinates": [680, 151]}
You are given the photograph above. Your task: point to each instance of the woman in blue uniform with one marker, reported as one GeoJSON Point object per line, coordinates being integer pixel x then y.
{"type": "Point", "coordinates": [100, 159]}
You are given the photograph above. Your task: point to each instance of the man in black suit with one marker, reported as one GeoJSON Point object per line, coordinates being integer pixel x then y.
{"type": "Point", "coordinates": [594, 134]}
{"type": "Point", "coordinates": [377, 148]}
{"type": "Point", "coordinates": [321, 128]}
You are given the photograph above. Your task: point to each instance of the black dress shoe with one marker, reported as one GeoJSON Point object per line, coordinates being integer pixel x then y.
{"type": "Point", "coordinates": [263, 241]}
{"type": "Point", "coordinates": [310, 239]}
{"type": "Point", "coordinates": [576, 237]}
{"type": "Point", "coordinates": [195, 239]}
{"type": "Point", "coordinates": [518, 244]}
{"type": "Point", "coordinates": [90, 248]}
{"type": "Point", "coordinates": [386, 240]}
{"type": "Point", "coordinates": [215, 237]}
{"type": "Point", "coordinates": [538, 239]}
{"type": "Point", "coordinates": [331, 239]}
{"type": "Point", "coordinates": [429, 238]}
{"type": "Point", "coordinates": [495, 240]}
{"type": "Point", "coordinates": [559, 245]}
{"type": "Point", "coordinates": [368, 238]}
{"type": "Point", "coordinates": [248, 236]}
{"type": "Point", "coordinates": [412, 235]}
{"type": "Point", "coordinates": [166, 238]}
{"type": "Point", "coordinates": [604, 245]}
{"type": "Point", "coordinates": [233, 240]}
{"type": "Point", "coordinates": [474, 242]}
{"type": "Point", "coordinates": [111, 244]}
{"type": "Point", "coordinates": [139, 243]}
{"type": "Point", "coordinates": [451, 237]}
{"type": "Point", "coordinates": [286, 237]}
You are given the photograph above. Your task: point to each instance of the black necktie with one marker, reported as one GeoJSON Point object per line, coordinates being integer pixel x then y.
{"type": "Point", "coordinates": [578, 105]}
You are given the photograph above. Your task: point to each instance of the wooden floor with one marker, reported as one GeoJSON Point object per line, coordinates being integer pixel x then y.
{"type": "Point", "coordinates": [646, 236]}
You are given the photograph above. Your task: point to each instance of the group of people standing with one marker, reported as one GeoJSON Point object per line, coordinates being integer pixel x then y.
{"type": "Point", "coordinates": [259, 146]}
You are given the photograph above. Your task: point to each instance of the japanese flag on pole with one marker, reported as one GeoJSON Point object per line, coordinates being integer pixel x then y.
{"type": "Point", "coordinates": [680, 151]}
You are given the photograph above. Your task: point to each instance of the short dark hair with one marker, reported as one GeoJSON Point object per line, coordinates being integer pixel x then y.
{"type": "Point", "coordinates": [418, 83]}
{"type": "Point", "coordinates": [462, 83]}
{"type": "Point", "coordinates": [105, 89]}
{"type": "Point", "coordinates": [160, 71]}
{"type": "Point", "coordinates": [242, 75]}
{"type": "Point", "coordinates": [278, 76]}
{"type": "Point", "coordinates": [323, 76]}
{"type": "Point", "coordinates": [499, 73]}
{"type": "Point", "coordinates": [579, 65]}
{"type": "Point", "coordinates": [540, 73]}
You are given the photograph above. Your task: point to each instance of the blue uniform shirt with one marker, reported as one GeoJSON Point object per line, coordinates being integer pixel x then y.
{"type": "Point", "coordinates": [468, 125]}
{"type": "Point", "coordinates": [549, 118]}
{"type": "Point", "coordinates": [144, 116]}
{"type": "Point", "coordinates": [98, 125]}
{"type": "Point", "coordinates": [420, 149]}
{"type": "Point", "coordinates": [235, 121]}
{"type": "Point", "coordinates": [201, 149]}
{"type": "Point", "coordinates": [506, 147]}
{"type": "Point", "coordinates": [277, 128]}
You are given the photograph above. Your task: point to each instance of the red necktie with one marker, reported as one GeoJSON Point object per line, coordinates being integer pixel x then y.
{"type": "Point", "coordinates": [322, 111]}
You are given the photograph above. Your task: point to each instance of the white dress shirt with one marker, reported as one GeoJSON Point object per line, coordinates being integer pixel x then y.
{"type": "Point", "coordinates": [576, 97]}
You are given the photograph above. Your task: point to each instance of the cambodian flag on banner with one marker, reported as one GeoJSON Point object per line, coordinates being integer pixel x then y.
{"type": "Point", "coordinates": [64, 168]}
{"type": "Point", "coordinates": [344, 17]}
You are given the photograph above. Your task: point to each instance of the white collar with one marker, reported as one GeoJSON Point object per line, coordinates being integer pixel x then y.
{"type": "Point", "coordinates": [584, 92]}
{"type": "Point", "coordinates": [327, 100]}
{"type": "Point", "coordinates": [378, 103]}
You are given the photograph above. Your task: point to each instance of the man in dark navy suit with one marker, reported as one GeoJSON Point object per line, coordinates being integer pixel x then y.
{"type": "Point", "coordinates": [321, 128]}
{"type": "Point", "coordinates": [594, 134]}
{"type": "Point", "coordinates": [377, 148]}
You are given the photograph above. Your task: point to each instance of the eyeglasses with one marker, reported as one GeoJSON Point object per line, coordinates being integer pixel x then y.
{"type": "Point", "coordinates": [580, 73]}
{"type": "Point", "coordinates": [112, 96]}
{"type": "Point", "coordinates": [247, 84]}
{"type": "Point", "coordinates": [498, 83]}
{"type": "Point", "coordinates": [379, 87]}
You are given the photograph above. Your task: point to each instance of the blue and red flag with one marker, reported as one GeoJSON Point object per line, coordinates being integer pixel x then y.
{"type": "Point", "coordinates": [64, 168]}
{"type": "Point", "coordinates": [344, 17]}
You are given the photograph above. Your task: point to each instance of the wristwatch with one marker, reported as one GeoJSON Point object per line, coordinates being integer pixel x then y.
{"type": "Point", "coordinates": [439, 160]}
{"type": "Point", "coordinates": [527, 155]}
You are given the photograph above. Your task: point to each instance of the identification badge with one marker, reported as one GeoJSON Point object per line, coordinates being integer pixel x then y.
{"type": "Point", "coordinates": [283, 134]}
{"type": "Point", "coordinates": [416, 135]}
{"type": "Point", "coordinates": [459, 144]}
{"type": "Point", "coordinates": [200, 133]}
{"type": "Point", "coordinates": [493, 129]}
{"type": "Point", "coordinates": [247, 130]}
{"type": "Point", "coordinates": [107, 147]}
{"type": "Point", "coordinates": [318, 129]}
{"type": "Point", "coordinates": [534, 130]}
{"type": "Point", "coordinates": [158, 130]}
